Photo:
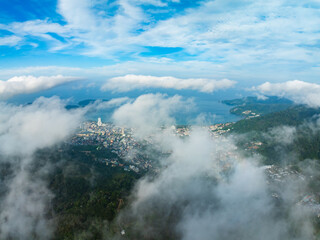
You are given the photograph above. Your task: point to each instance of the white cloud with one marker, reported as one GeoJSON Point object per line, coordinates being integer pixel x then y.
{"type": "Point", "coordinates": [282, 135]}
{"type": "Point", "coordinates": [29, 84]}
{"type": "Point", "coordinates": [131, 82]}
{"type": "Point", "coordinates": [10, 41]}
{"type": "Point", "coordinates": [24, 130]}
{"type": "Point", "coordinates": [77, 13]}
{"type": "Point", "coordinates": [40, 29]}
{"type": "Point", "coordinates": [38, 71]}
{"type": "Point", "coordinates": [154, 67]}
{"type": "Point", "coordinates": [298, 91]}
{"type": "Point", "coordinates": [247, 39]}
{"type": "Point", "coordinates": [115, 102]}
{"type": "Point", "coordinates": [23, 213]}
{"type": "Point", "coordinates": [241, 32]}
{"type": "Point", "coordinates": [150, 111]}
{"type": "Point", "coordinates": [237, 32]}
{"type": "Point", "coordinates": [205, 189]}
{"type": "Point", "coordinates": [157, 3]}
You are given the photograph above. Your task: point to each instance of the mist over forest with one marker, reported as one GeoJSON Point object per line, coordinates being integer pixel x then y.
{"type": "Point", "coordinates": [200, 185]}
{"type": "Point", "coordinates": [159, 119]}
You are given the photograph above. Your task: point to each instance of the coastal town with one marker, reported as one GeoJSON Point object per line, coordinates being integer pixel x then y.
{"type": "Point", "coordinates": [132, 157]}
{"type": "Point", "coordinates": [122, 142]}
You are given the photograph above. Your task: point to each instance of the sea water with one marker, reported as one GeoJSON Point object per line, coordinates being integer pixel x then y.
{"type": "Point", "coordinates": [207, 108]}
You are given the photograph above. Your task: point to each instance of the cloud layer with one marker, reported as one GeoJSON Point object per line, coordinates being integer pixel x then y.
{"type": "Point", "coordinates": [205, 188]}
{"type": "Point", "coordinates": [25, 198]}
{"type": "Point", "coordinates": [299, 91]}
{"type": "Point", "coordinates": [228, 33]}
{"type": "Point", "coordinates": [131, 82]}
{"type": "Point", "coordinates": [149, 112]}
{"type": "Point", "coordinates": [30, 84]}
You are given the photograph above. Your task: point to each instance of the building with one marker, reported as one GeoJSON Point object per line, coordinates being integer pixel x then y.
{"type": "Point", "coordinates": [99, 122]}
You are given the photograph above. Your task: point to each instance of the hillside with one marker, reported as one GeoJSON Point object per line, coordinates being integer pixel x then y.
{"type": "Point", "coordinates": [272, 132]}
{"type": "Point", "coordinates": [88, 194]}
{"type": "Point", "coordinates": [252, 106]}
{"type": "Point", "coordinates": [292, 116]}
{"type": "Point", "coordinates": [84, 103]}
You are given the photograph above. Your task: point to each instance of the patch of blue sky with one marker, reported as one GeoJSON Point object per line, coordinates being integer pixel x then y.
{"type": "Point", "coordinates": [122, 56]}
{"type": "Point", "coordinates": [315, 5]}
{"type": "Point", "coordinates": [173, 8]}
{"type": "Point", "coordinates": [226, 6]}
{"type": "Point", "coordinates": [310, 46]}
{"type": "Point", "coordinates": [25, 10]}
{"type": "Point", "coordinates": [262, 17]}
{"type": "Point", "coordinates": [156, 51]}
{"type": "Point", "coordinates": [6, 52]}
{"type": "Point", "coordinates": [4, 33]}
{"type": "Point", "coordinates": [108, 9]}
{"type": "Point", "coordinates": [18, 53]}
{"type": "Point", "coordinates": [57, 37]}
{"type": "Point", "coordinates": [304, 4]}
{"type": "Point", "coordinates": [156, 12]}
{"type": "Point", "coordinates": [105, 8]}
{"type": "Point", "coordinates": [177, 54]}
{"type": "Point", "coordinates": [30, 56]}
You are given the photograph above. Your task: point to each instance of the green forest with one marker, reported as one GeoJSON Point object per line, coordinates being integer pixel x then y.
{"type": "Point", "coordinates": [87, 193]}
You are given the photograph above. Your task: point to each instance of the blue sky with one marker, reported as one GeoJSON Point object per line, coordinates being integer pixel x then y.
{"type": "Point", "coordinates": [246, 41]}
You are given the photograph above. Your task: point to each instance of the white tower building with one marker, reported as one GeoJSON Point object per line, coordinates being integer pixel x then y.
{"type": "Point", "coordinates": [99, 122]}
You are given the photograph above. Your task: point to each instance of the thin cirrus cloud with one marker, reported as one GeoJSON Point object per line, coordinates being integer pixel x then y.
{"type": "Point", "coordinates": [30, 84]}
{"type": "Point", "coordinates": [10, 41]}
{"type": "Point", "coordinates": [296, 90]}
{"type": "Point", "coordinates": [229, 31]}
{"type": "Point", "coordinates": [132, 82]}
